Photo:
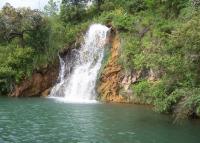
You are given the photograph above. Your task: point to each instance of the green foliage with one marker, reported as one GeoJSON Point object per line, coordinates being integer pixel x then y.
{"type": "Point", "coordinates": [15, 65]}
{"type": "Point", "coordinates": [170, 47]}
{"type": "Point", "coordinates": [141, 88]}
{"type": "Point", "coordinates": [51, 8]}
{"type": "Point", "coordinates": [38, 39]}
{"type": "Point", "coordinates": [19, 23]}
{"type": "Point", "coordinates": [72, 11]}
{"type": "Point", "coordinates": [136, 6]}
{"type": "Point", "coordinates": [188, 102]}
{"type": "Point", "coordinates": [120, 20]}
{"type": "Point", "coordinates": [166, 104]}
{"type": "Point", "coordinates": [172, 8]}
{"type": "Point", "coordinates": [107, 6]}
{"type": "Point", "coordinates": [129, 49]}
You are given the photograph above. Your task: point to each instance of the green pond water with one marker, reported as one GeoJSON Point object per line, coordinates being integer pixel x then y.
{"type": "Point", "coordinates": [40, 120]}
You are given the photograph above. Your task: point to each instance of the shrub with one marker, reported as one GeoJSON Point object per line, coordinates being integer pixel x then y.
{"type": "Point", "coordinates": [189, 104]}
{"type": "Point", "coordinates": [136, 6]}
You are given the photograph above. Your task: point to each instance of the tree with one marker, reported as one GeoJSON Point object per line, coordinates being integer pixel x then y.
{"type": "Point", "coordinates": [73, 10]}
{"type": "Point", "coordinates": [74, 2]}
{"type": "Point", "coordinates": [173, 6]}
{"type": "Point", "coordinates": [51, 8]}
{"type": "Point", "coordinates": [15, 23]}
{"type": "Point", "coordinates": [136, 6]}
{"type": "Point", "coordinates": [99, 3]}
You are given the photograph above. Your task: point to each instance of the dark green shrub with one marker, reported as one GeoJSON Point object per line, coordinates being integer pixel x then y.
{"type": "Point", "coordinates": [136, 6]}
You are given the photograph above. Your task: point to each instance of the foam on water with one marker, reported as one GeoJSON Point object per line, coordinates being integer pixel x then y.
{"type": "Point", "coordinates": [81, 101]}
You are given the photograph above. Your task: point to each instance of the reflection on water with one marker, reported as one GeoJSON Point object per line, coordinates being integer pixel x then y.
{"type": "Point", "coordinates": [46, 120]}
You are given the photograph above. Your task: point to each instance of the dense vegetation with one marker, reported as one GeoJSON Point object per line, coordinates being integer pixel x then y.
{"type": "Point", "coordinates": [162, 36]}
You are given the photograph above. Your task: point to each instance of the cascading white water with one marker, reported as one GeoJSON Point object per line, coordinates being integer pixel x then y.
{"type": "Point", "coordinates": [79, 84]}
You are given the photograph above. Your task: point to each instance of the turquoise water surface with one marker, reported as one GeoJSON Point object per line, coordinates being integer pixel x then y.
{"type": "Point", "coordinates": [40, 120]}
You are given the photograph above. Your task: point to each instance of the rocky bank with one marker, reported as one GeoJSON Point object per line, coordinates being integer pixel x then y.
{"type": "Point", "coordinates": [39, 84]}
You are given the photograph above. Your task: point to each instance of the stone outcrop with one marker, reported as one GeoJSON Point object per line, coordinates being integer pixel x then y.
{"type": "Point", "coordinates": [39, 84]}
{"type": "Point", "coordinates": [114, 83]}
{"type": "Point", "coordinates": [109, 83]}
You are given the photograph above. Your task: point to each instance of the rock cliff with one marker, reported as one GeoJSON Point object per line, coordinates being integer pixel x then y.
{"type": "Point", "coordinates": [39, 83]}
{"type": "Point", "coordinates": [110, 78]}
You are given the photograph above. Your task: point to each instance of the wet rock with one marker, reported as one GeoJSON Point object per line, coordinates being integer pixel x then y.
{"type": "Point", "coordinates": [46, 92]}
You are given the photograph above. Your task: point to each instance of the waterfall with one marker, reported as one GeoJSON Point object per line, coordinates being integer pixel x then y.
{"type": "Point", "coordinates": [78, 72]}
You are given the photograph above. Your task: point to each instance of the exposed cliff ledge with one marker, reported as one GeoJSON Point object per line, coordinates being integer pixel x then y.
{"type": "Point", "coordinates": [39, 83]}
{"type": "Point", "coordinates": [110, 78]}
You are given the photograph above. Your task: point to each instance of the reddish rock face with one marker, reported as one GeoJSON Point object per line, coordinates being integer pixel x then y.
{"type": "Point", "coordinates": [110, 78]}
{"type": "Point", "coordinates": [38, 84]}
